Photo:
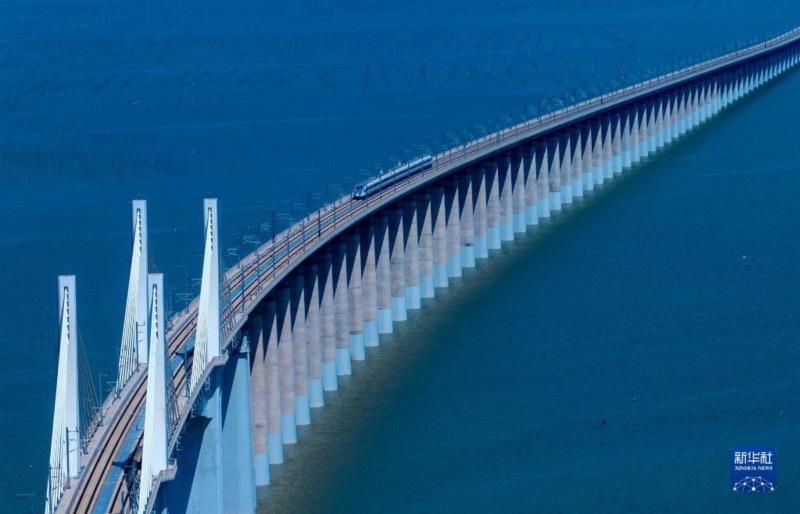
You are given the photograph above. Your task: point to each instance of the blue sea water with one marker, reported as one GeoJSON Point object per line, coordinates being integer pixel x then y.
{"type": "Point", "coordinates": [674, 286]}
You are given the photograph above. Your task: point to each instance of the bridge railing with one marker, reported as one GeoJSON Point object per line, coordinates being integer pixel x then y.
{"type": "Point", "coordinates": [258, 270]}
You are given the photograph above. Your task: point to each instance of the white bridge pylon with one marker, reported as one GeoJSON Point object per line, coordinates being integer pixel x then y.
{"type": "Point", "coordinates": [159, 378]}
{"type": "Point", "coordinates": [207, 336]}
{"type": "Point", "coordinates": [65, 462]}
{"type": "Point", "coordinates": [133, 348]}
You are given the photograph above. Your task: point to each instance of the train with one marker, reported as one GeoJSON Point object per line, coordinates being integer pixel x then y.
{"type": "Point", "coordinates": [388, 177]}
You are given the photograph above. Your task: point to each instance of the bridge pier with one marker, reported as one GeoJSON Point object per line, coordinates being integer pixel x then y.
{"type": "Point", "coordinates": [625, 138]}
{"type": "Point", "coordinates": [479, 213]}
{"type": "Point", "coordinates": [615, 134]}
{"type": "Point", "coordinates": [565, 170]}
{"type": "Point", "coordinates": [302, 404]}
{"type": "Point", "coordinates": [518, 192]}
{"type": "Point", "coordinates": [383, 274]}
{"type": "Point", "coordinates": [355, 296]}
{"type": "Point", "coordinates": [588, 168]}
{"type": "Point", "coordinates": [506, 200]}
{"type": "Point", "coordinates": [258, 401]}
{"type": "Point", "coordinates": [369, 285]}
{"type": "Point", "coordinates": [582, 160]}
{"type": "Point", "coordinates": [397, 262]}
{"type": "Point", "coordinates": [467, 221]}
{"type": "Point", "coordinates": [426, 281]}
{"type": "Point", "coordinates": [667, 122]}
{"type": "Point", "coordinates": [316, 395]}
{"type": "Point", "coordinates": [238, 480]}
{"type": "Point", "coordinates": [341, 307]}
{"type": "Point", "coordinates": [530, 193]}
{"type": "Point", "coordinates": [554, 173]}
{"type": "Point", "coordinates": [215, 474]}
{"type": "Point", "coordinates": [269, 323]}
{"type": "Point", "coordinates": [493, 204]}
{"type": "Point", "coordinates": [651, 126]}
{"type": "Point", "coordinates": [411, 252]}
{"type": "Point", "coordinates": [641, 113]}
{"type": "Point", "coordinates": [327, 309]}
{"type": "Point", "coordinates": [453, 228]}
{"type": "Point", "coordinates": [438, 217]}
{"type": "Point", "coordinates": [597, 153]}
{"type": "Point", "coordinates": [542, 171]}
{"type": "Point", "coordinates": [286, 356]}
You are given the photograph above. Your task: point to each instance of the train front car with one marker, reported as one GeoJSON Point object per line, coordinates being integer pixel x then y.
{"type": "Point", "coordinates": [388, 178]}
{"type": "Point", "coordinates": [359, 192]}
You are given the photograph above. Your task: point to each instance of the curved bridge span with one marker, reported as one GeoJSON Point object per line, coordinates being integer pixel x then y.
{"type": "Point", "coordinates": [234, 374]}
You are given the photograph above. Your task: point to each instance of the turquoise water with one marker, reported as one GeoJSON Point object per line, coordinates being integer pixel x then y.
{"type": "Point", "coordinates": [492, 398]}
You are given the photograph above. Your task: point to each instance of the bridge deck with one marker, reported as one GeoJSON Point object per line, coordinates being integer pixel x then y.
{"type": "Point", "coordinates": [100, 487]}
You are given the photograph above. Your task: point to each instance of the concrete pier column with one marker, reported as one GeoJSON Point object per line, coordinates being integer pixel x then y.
{"type": "Point", "coordinates": [341, 306]}
{"type": "Point", "coordinates": [588, 168]}
{"type": "Point", "coordinates": [695, 105]}
{"type": "Point", "coordinates": [658, 122]}
{"type": "Point", "coordinates": [383, 273]}
{"type": "Point", "coordinates": [327, 309]}
{"type": "Point", "coordinates": [555, 156]}
{"type": "Point", "coordinates": [582, 159]}
{"type": "Point", "coordinates": [411, 232]}
{"type": "Point", "coordinates": [715, 106]}
{"type": "Point", "coordinates": [467, 221]}
{"type": "Point", "coordinates": [615, 133]}
{"type": "Point", "coordinates": [493, 204]}
{"type": "Point", "coordinates": [302, 405]}
{"type": "Point", "coordinates": [453, 228]}
{"type": "Point", "coordinates": [626, 122]}
{"type": "Point", "coordinates": [316, 397]}
{"type": "Point", "coordinates": [666, 122]}
{"type": "Point", "coordinates": [660, 138]}
{"type": "Point", "coordinates": [355, 297]}
{"type": "Point", "coordinates": [531, 193]}
{"type": "Point", "coordinates": [579, 166]}
{"type": "Point", "coordinates": [328, 317]}
{"type": "Point", "coordinates": [607, 146]}
{"type": "Point", "coordinates": [542, 166]}
{"type": "Point", "coordinates": [518, 173]}
{"type": "Point", "coordinates": [398, 264]}
{"type": "Point", "coordinates": [703, 102]}
{"type": "Point", "coordinates": [652, 106]}
{"type": "Point", "coordinates": [439, 219]}
{"type": "Point", "coordinates": [258, 400]}
{"type": "Point", "coordinates": [644, 113]}
{"type": "Point", "coordinates": [480, 219]}
{"type": "Point", "coordinates": [596, 150]}
{"type": "Point", "coordinates": [729, 88]}
{"type": "Point", "coordinates": [238, 481]}
{"type": "Point", "coordinates": [274, 432]}
{"type": "Point", "coordinates": [636, 147]}
{"type": "Point", "coordinates": [424, 215]}
{"type": "Point", "coordinates": [565, 169]}
{"type": "Point", "coordinates": [683, 96]}
{"type": "Point", "coordinates": [286, 354]}
{"type": "Point", "coordinates": [506, 198]}
{"type": "Point", "coordinates": [369, 284]}
{"type": "Point", "coordinates": [679, 116]}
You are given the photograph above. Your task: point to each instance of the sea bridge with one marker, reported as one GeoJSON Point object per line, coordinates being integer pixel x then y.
{"type": "Point", "coordinates": [205, 401]}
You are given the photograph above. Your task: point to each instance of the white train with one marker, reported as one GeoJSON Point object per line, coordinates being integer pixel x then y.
{"type": "Point", "coordinates": [388, 177]}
